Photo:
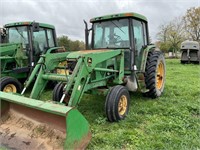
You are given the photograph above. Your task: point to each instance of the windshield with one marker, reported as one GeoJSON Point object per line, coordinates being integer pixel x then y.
{"type": "Point", "coordinates": [111, 34]}
{"type": "Point", "coordinates": [18, 35]}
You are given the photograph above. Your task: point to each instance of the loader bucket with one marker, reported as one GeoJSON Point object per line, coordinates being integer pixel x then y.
{"type": "Point", "coordinates": [32, 124]}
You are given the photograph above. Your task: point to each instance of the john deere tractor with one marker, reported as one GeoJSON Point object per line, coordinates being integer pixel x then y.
{"type": "Point", "coordinates": [118, 61]}
{"type": "Point", "coordinates": [22, 45]}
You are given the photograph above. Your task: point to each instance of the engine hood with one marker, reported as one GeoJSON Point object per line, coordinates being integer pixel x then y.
{"type": "Point", "coordinates": [83, 53]}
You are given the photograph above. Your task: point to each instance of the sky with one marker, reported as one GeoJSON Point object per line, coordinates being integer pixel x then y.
{"type": "Point", "coordinates": [68, 15]}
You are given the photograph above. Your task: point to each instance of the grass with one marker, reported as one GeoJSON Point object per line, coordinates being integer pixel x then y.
{"type": "Point", "coordinates": [170, 122]}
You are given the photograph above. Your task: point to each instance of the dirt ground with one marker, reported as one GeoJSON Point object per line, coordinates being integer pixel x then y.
{"type": "Point", "coordinates": [21, 133]}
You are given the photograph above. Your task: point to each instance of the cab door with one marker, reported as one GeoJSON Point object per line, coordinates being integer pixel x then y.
{"type": "Point", "coordinates": [42, 41]}
{"type": "Point", "coordinates": [140, 40]}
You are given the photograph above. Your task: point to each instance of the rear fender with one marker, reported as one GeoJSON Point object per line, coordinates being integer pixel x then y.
{"type": "Point", "coordinates": [140, 72]}
{"type": "Point", "coordinates": [144, 57]}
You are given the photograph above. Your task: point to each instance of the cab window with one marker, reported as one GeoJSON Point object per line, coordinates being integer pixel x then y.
{"type": "Point", "coordinates": [111, 34]}
{"type": "Point", "coordinates": [138, 35]}
{"type": "Point", "coordinates": [18, 35]}
{"type": "Point", "coordinates": [140, 39]}
{"type": "Point", "coordinates": [50, 38]}
{"type": "Point", "coordinates": [39, 40]}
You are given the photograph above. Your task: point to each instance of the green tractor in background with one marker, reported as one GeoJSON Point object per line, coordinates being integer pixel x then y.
{"type": "Point", "coordinates": [118, 61]}
{"type": "Point", "coordinates": [22, 43]}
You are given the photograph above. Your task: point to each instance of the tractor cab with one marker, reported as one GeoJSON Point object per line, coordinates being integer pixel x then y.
{"type": "Point", "coordinates": [126, 31]}
{"type": "Point", "coordinates": [35, 38]}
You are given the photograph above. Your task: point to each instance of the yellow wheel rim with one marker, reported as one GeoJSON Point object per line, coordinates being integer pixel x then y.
{"type": "Point", "coordinates": [122, 106]}
{"type": "Point", "coordinates": [10, 88]}
{"type": "Point", "coordinates": [160, 75]}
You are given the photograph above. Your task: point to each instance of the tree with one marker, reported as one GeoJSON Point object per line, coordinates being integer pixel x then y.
{"type": "Point", "coordinates": [165, 47]}
{"type": "Point", "coordinates": [64, 41]}
{"type": "Point", "coordinates": [171, 35]}
{"type": "Point", "coordinates": [176, 34]}
{"type": "Point", "coordinates": [69, 44]}
{"type": "Point", "coordinates": [162, 35]}
{"type": "Point", "coordinates": [77, 45]}
{"type": "Point", "coordinates": [192, 23]}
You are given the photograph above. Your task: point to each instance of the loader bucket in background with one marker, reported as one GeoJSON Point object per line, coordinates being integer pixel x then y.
{"type": "Point", "coordinates": [32, 124]}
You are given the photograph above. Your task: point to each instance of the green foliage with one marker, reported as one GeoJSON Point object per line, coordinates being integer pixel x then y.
{"type": "Point", "coordinates": [192, 23]}
{"type": "Point", "coordinates": [166, 47]}
{"type": "Point", "coordinates": [69, 44]}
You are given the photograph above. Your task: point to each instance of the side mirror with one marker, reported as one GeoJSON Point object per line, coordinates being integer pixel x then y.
{"type": "Point", "coordinates": [36, 27]}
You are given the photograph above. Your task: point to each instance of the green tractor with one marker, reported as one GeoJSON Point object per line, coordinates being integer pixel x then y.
{"type": "Point", "coordinates": [118, 61]}
{"type": "Point", "coordinates": [22, 43]}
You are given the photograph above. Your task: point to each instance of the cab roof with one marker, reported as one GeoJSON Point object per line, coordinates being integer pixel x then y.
{"type": "Point", "coordinates": [28, 23]}
{"type": "Point", "coordinates": [120, 15]}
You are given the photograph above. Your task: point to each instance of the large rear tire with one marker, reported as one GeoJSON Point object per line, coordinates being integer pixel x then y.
{"type": "Point", "coordinates": [155, 74]}
{"type": "Point", "coordinates": [10, 84]}
{"type": "Point", "coordinates": [117, 103]}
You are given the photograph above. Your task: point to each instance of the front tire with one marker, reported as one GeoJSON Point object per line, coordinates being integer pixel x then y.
{"type": "Point", "coordinates": [58, 93]}
{"type": "Point", "coordinates": [155, 74]}
{"type": "Point", "coordinates": [117, 103]}
{"type": "Point", "coordinates": [10, 84]}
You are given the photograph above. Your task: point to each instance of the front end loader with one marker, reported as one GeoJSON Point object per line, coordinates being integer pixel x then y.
{"type": "Point", "coordinates": [118, 61]}
{"type": "Point", "coordinates": [32, 124]}
{"type": "Point", "coordinates": [42, 125]}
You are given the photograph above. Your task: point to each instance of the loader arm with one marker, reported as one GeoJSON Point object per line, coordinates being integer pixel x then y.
{"type": "Point", "coordinates": [93, 68]}
{"type": "Point", "coordinates": [46, 64]}
{"type": "Point", "coordinates": [88, 64]}
{"type": "Point", "coordinates": [41, 63]}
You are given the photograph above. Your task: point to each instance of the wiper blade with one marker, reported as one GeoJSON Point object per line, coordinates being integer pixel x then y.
{"type": "Point", "coordinates": [118, 27]}
{"type": "Point", "coordinates": [20, 33]}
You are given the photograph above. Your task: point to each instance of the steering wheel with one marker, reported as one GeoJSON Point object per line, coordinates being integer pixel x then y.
{"type": "Point", "coordinates": [117, 38]}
